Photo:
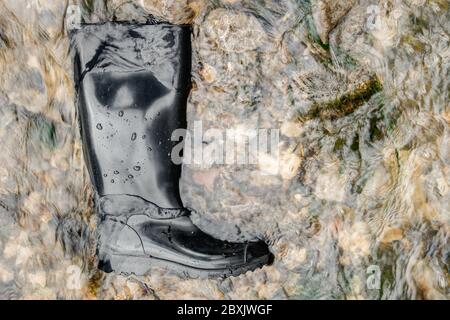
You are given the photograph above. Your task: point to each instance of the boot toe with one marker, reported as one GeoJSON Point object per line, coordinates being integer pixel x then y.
{"type": "Point", "coordinates": [175, 244]}
{"type": "Point", "coordinates": [259, 251]}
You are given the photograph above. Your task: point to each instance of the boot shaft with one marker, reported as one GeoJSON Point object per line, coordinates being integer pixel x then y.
{"type": "Point", "coordinates": [132, 82]}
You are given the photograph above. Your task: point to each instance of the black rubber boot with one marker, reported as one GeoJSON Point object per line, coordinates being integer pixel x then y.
{"type": "Point", "coordinates": [132, 83]}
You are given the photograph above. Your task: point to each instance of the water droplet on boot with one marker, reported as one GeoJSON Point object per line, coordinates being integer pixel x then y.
{"type": "Point", "coordinates": [133, 136]}
{"type": "Point", "coordinates": [130, 176]}
{"type": "Point", "coordinates": [136, 168]}
{"type": "Point", "coordinates": [99, 126]}
{"type": "Point", "coordinates": [105, 175]}
{"type": "Point", "coordinates": [116, 172]}
{"type": "Point", "coordinates": [121, 113]}
{"type": "Point", "coordinates": [112, 180]}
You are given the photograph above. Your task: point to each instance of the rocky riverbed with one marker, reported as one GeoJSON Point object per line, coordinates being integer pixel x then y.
{"type": "Point", "coordinates": [357, 209]}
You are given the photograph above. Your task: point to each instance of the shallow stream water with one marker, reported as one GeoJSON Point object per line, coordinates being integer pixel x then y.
{"type": "Point", "coordinates": [358, 208]}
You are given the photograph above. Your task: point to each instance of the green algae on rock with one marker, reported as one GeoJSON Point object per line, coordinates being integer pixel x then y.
{"type": "Point", "coordinates": [345, 104]}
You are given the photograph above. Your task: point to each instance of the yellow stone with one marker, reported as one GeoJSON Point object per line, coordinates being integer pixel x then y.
{"type": "Point", "coordinates": [38, 279]}
{"type": "Point", "coordinates": [208, 73]}
{"type": "Point", "coordinates": [289, 165]}
{"type": "Point", "coordinates": [291, 129]}
{"type": "Point", "coordinates": [391, 234]}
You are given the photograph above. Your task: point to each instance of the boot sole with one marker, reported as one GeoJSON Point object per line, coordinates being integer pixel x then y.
{"type": "Point", "coordinates": [141, 265]}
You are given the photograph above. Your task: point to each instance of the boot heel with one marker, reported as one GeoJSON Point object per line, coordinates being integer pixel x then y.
{"type": "Point", "coordinates": [124, 264]}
